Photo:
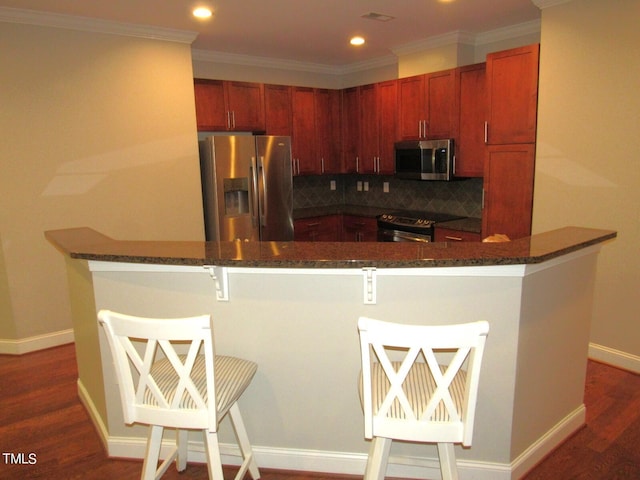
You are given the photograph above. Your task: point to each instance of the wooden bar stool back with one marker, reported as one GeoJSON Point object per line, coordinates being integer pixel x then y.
{"type": "Point", "coordinates": [419, 383]}
{"type": "Point", "coordinates": [170, 377]}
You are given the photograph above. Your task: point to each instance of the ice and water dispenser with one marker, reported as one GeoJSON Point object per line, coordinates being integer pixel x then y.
{"type": "Point", "coordinates": [236, 196]}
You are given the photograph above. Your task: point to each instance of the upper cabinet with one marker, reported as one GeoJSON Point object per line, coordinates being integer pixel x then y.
{"type": "Point", "coordinates": [378, 109]}
{"type": "Point", "coordinates": [303, 140]}
{"type": "Point", "coordinates": [471, 112]}
{"type": "Point", "coordinates": [350, 130]}
{"type": "Point", "coordinates": [328, 139]}
{"type": "Point", "coordinates": [229, 106]}
{"type": "Point", "coordinates": [427, 106]}
{"type": "Point", "coordinates": [512, 92]}
{"type": "Point", "coordinates": [277, 106]}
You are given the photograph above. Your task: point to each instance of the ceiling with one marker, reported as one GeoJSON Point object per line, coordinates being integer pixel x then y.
{"type": "Point", "coordinates": [309, 31]}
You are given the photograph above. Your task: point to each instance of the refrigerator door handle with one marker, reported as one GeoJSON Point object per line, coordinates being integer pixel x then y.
{"type": "Point", "coordinates": [262, 203]}
{"type": "Point", "coordinates": [254, 192]}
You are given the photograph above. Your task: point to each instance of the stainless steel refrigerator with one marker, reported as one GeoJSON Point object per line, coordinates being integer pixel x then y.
{"type": "Point", "coordinates": [247, 187]}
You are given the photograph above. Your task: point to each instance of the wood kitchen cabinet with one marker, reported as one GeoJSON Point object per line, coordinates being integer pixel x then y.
{"type": "Point", "coordinates": [426, 107]}
{"type": "Point", "coordinates": [450, 235]}
{"type": "Point", "coordinates": [278, 112]}
{"type": "Point", "coordinates": [359, 229]}
{"type": "Point", "coordinates": [378, 113]}
{"type": "Point", "coordinates": [471, 111]}
{"type": "Point", "coordinates": [229, 105]}
{"type": "Point", "coordinates": [350, 127]}
{"type": "Point", "coordinates": [328, 132]}
{"type": "Point", "coordinates": [303, 141]}
{"type": "Point", "coordinates": [512, 92]}
{"type": "Point", "coordinates": [508, 190]}
{"type": "Point", "coordinates": [318, 229]}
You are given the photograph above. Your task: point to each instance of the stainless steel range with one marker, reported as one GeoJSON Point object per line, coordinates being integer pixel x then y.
{"type": "Point", "coordinates": [410, 226]}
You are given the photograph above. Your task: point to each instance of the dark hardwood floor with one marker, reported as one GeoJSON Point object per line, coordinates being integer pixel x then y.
{"type": "Point", "coordinates": [42, 419]}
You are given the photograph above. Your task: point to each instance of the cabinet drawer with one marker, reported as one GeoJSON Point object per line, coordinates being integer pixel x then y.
{"type": "Point", "coordinates": [317, 229]}
{"type": "Point", "coordinates": [449, 235]}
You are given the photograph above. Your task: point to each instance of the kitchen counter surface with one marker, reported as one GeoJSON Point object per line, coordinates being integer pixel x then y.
{"type": "Point", "coordinates": [88, 244]}
{"type": "Point", "coordinates": [360, 210]}
{"type": "Point", "coordinates": [469, 224]}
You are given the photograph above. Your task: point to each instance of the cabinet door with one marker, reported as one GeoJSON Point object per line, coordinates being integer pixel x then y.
{"type": "Point", "coordinates": [411, 107]}
{"type": "Point", "coordinates": [387, 116]}
{"type": "Point", "coordinates": [303, 143]}
{"type": "Point", "coordinates": [328, 144]}
{"type": "Point", "coordinates": [508, 190]}
{"type": "Point", "coordinates": [350, 129]}
{"type": "Point", "coordinates": [245, 105]}
{"type": "Point", "coordinates": [359, 229]}
{"type": "Point", "coordinates": [512, 88]}
{"type": "Point", "coordinates": [440, 100]}
{"type": "Point", "coordinates": [211, 113]}
{"type": "Point", "coordinates": [369, 131]}
{"type": "Point", "coordinates": [317, 229]}
{"type": "Point", "coordinates": [277, 105]}
{"type": "Point", "coordinates": [472, 108]}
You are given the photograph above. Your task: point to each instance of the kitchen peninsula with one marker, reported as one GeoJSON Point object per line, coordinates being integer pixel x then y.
{"type": "Point", "coordinates": [293, 306]}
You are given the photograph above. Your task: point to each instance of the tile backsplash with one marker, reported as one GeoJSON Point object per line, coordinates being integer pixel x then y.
{"type": "Point", "coordinates": [459, 197]}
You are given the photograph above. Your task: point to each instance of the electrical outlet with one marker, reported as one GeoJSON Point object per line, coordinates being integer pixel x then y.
{"type": "Point", "coordinates": [359, 186]}
{"type": "Point", "coordinates": [385, 187]}
{"type": "Point", "coordinates": [366, 186]}
{"type": "Point", "coordinates": [332, 185]}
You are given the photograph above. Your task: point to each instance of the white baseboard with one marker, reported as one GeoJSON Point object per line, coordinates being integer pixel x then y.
{"type": "Point", "coordinates": [615, 358]}
{"type": "Point", "coordinates": [344, 462]}
{"type": "Point", "coordinates": [545, 444]}
{"type": "Point", "coordinates": [38, 342]}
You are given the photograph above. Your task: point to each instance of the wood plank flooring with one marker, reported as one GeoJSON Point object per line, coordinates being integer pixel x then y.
{"type": "Point", "coordinates": [42, 418]}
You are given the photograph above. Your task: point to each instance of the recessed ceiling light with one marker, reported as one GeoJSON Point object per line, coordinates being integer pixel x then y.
{"type": "Point", "coordinates": [202, 12]}
{"type": "Point", "coordinates": [356, 41]}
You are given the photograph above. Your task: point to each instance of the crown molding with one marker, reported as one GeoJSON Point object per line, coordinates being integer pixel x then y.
{"type": "Point", "coordinates": [268, 62]}
{"type": "Point", "coordinates": [55, 20]}
{"type": "Point", "coordinates": [444, 40]}
{"type": "Point", "coordinates": [506, 33]}
{"type": "Point", "coordinates": [542, 4]}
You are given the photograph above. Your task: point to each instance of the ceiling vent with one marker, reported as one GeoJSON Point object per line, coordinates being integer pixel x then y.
{"type": "Point", "coordinates": [380, 17]}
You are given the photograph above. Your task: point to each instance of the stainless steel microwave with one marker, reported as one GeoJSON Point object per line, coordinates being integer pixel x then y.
{"type": "Point", "coordinates": [425, 159]}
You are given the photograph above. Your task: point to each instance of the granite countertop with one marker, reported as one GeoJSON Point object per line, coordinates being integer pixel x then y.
{"type": "Point", "coordinates": [468, 224]}
{"type": "Point", "coordinates": [88, 244]}
{"type": "Point", "coordinates": [360, 210]}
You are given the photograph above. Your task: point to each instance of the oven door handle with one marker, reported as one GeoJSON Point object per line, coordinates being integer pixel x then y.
{"type": "Point", "coordinates": [407, 236]}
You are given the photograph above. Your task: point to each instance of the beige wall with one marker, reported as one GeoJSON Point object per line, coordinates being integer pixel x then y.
{"type": "Point", "coordinates": [97, 130]}
{"type": "Point", "coordinates": [587, 170]}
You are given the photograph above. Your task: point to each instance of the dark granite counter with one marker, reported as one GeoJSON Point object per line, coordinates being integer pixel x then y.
{"type": "Point", "coordinates": [469, 224]}
{"type": "Point", "coordinates": [87, 244]}
{"type": "Point", "coordinates": [359, 210]}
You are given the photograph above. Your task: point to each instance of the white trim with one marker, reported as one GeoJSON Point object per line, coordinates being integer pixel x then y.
{"type": "Point", "coordinates": [346, 463]}
{"type": "Point", "coordinates": [550, 440]}
{"type": "Point", "coordinates": [343, 463]}
{"type": "Point", "coordinates": [38, 342]}
{"type": "Point", "coordinates": [615, 358]}
{"type": "Point", "coordinates": [96, 419]}
{"type": "Point", "coordinates": [86, 24]}
{"type": "Point", "coordinates": [542, 4]}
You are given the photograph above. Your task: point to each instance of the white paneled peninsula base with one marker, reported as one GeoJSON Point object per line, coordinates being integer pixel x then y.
{"type": "Point", "coordinates": [293, 309]}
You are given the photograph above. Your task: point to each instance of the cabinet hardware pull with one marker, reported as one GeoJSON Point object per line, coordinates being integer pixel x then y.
{"type": "Point", "coordinates": [457, 239]}
{"type": "Point", "coordinates": [486, 132]}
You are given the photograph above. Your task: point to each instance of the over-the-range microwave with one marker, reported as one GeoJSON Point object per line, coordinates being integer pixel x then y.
{"type": "Point", "coordinates": [425, 159]}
